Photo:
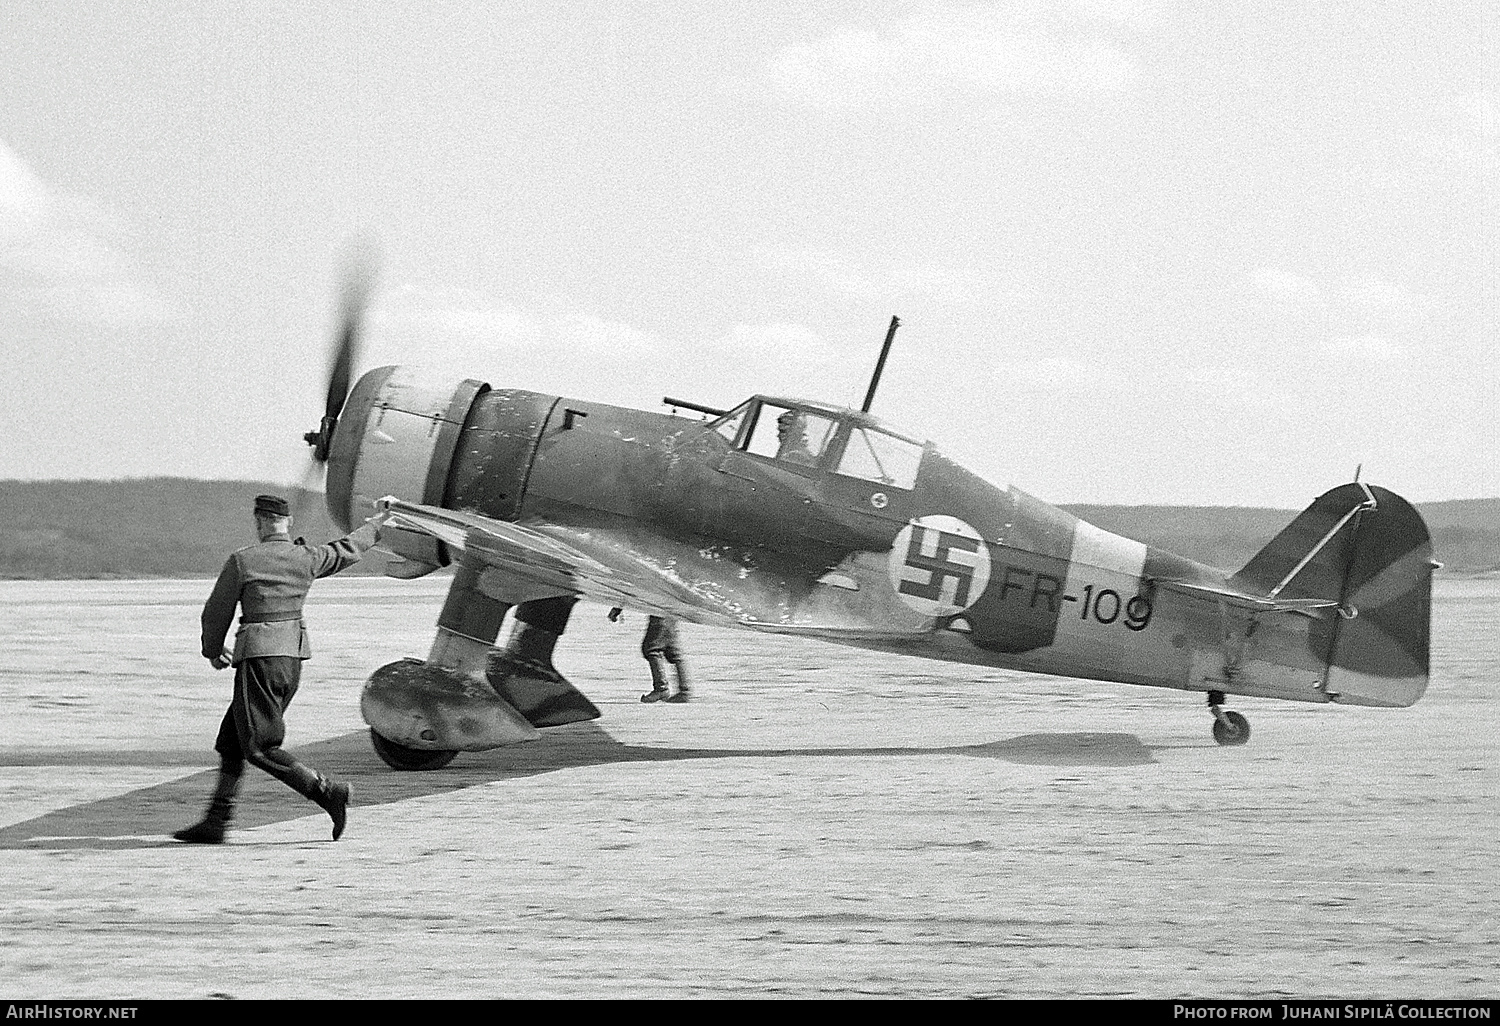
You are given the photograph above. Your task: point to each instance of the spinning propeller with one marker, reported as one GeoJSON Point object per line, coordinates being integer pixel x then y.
{"type": "Point", "coordinates": [358, 282]}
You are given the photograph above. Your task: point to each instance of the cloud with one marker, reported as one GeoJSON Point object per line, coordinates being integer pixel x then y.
{"type": "Point", "coordinates": [456, 311]}
{"type": "Point", "coordinates": [954, 54]}
{"type": "Point", "coordinates": [1375, 296]}
{"type": "Point", "coordinates": [1476, 115]}
{"type": "Point", "coordinates": [467, 333]}
{"type": "Point", "coordinates": [1238, 385]}
{"type": "Point", "coordinates": [884, 281]}
{"type": "Point", "coordinates": [784, 354]}
{"type": "Point", "coordinates": [827, 270]}
{"type": "Point", "coordinates": [1367, 349]}
{"type": "Point", "coordinates": [769, 339]}
{"type": "Point", "coordinates": [1345, 296]}
{"type": "Point", "coordinates": [22, 195]}
{"type": "Point", "coordinates": [1469, 145]}
{"type": "Point", "coordinates": [463, 333]}
{"type": "Point", "coordinates": [1061, 373]}
{"type": "Point", "coordinates": [590, 334]}
{"type": "Point", "coordinates": [1354, 316]}
{"type": "Point", "coordinates": [777, 358]}
{"type": "Point", "coordinates": [1284, 285]}
{"type": "Point", "coordinates": [1123, 12]}
{"type": "Point", "coordinates": [57, 260]}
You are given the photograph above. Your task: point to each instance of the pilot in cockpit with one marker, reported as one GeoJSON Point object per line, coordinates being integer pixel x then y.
{"type": "Point", "coordinates": [791, 434]}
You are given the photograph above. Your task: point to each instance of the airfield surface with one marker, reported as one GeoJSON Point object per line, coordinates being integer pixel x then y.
{"type": "Point", "coordinates": [821, 822]}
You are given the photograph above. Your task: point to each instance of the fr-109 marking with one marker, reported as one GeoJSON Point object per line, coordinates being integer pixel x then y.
{"type": "Point", "coordinates": [1106, 606]}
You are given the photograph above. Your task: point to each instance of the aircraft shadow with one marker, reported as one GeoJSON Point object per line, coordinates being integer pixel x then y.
{"type": "Point", "coordinates": [144, 817]}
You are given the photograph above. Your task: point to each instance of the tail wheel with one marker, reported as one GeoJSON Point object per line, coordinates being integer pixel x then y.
{"type": "Point", "coordinates": [1231, 729]}
{"type": "Point", "coordinates": [400, 757]}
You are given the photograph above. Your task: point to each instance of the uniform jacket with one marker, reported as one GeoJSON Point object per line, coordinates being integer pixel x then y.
{"type": "Point", "coordinates": [268, 582]}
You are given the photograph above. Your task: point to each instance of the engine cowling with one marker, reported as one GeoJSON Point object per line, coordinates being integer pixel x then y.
{"type": "Point", "coordinates": [462, 445]}
{"type": "Point", "coordinates": [396, 436]}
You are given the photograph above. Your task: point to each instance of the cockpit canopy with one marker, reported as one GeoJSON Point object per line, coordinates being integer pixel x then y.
{"type": "Point", "coordinates": [829, 438]}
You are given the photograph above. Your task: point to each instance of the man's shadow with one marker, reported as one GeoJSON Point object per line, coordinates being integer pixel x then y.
{"type": "Point", "coordinates": [147, 816]}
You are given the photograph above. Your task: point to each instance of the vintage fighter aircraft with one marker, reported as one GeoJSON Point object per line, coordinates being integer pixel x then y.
{"type": "Point", "coordinates": [795, 517]}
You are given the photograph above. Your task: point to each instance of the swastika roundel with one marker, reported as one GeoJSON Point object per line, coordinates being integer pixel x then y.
{"type": "Point", "coordinates": [939, 565]}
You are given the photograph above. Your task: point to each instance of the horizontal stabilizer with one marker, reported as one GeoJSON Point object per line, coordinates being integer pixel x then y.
{"type": "Point", "coordinates": [1261, 603]}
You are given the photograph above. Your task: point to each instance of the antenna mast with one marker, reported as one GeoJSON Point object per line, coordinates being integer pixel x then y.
{"type": "Point", "coordinates": [885, 350]}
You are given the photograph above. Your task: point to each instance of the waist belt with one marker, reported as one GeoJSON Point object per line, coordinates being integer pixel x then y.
{"type": "Point", "coordinates": [270, 617]}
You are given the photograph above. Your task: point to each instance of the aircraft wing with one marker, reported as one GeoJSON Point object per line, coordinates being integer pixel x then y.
{"type": "Point", "coordinates": [500, 542]}
{"type": "Point", "coordinates": [649, 574]}
{"type": "Point", "coordinates": [533, 564]}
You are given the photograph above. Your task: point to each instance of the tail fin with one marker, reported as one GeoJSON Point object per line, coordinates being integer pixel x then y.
{"type": "Point", "coordinates": [1369, 550]}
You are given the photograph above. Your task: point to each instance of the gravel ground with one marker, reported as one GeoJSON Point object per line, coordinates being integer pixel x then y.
{"type": "Point", "coordinates": [822, 822]}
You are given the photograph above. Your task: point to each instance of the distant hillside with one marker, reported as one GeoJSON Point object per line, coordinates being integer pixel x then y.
{"type": "Point", "coordinates": [1465, 532]}
{"type": "Point", "coordinates": [149, 527]}
{"type": "Point", "coordinates": [172, 527]}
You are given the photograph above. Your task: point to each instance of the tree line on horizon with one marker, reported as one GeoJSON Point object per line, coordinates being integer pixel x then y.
{"type": "Point", "coordinates": [180, 528]}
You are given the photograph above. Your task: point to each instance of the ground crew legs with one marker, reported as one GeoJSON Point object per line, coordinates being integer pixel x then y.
{"type": "Point", "coordinates": [660, 647]}
{"type": "Point", "coordinates": [252, 731]}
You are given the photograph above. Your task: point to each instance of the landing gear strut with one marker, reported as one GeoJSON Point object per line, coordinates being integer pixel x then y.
{"type": "Point", "coordinates": [1230, 728]}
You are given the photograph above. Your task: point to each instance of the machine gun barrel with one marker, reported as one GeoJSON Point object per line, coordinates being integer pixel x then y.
{"type": "Point", "coordinates": [693, 406]}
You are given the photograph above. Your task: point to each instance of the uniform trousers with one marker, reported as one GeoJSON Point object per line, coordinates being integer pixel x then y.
{"type": "Point", "coordinates": [252, 729]}
{"type": "Point", "coordinates": [661, 639]}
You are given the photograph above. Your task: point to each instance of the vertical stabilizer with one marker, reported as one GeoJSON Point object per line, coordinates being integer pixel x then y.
{"type": "Point", "coordinates": [1368, 549]}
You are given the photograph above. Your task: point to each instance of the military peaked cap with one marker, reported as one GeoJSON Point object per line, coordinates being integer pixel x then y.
{"type": "Point", "coordinates": [272, 505]}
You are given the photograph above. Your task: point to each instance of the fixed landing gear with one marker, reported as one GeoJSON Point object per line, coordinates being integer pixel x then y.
{"type": "Point", "coordinates": [400, 757]}
{"type": "Point", "coordinates": [1230, 728]}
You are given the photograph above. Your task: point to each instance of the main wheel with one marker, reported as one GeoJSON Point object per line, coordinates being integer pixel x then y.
{"type": "Point", "coordinates": [401, 757]}
{"type": "Point", "coordinates": [1235, 732]}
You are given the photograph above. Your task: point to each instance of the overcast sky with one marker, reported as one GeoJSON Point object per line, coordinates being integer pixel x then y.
{"type": "Point", "coordinates": [1216, 254]}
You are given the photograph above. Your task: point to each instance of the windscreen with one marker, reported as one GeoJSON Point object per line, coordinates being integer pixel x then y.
{"type": "Point", "coordinates": [873, 455]}
{"type": "Point", "coordinates": [791, 435]}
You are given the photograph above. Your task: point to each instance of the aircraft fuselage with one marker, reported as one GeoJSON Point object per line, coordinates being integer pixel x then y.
{"type": "Point", "coordinates": [856, 535]}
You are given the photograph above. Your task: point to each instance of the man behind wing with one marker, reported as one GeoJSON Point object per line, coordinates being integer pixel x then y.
{"type": "Point", "coordinates": [269, 582]}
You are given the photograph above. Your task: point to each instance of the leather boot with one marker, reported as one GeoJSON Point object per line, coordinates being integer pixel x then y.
{"type": "Point", "coordinates": [333, 796]}
{"type": "Point", "coordinates": [659, 690]}
{"type": "Point", "coordinates": [684, 693]}
{"type": "Point", "coordinates": [212, 828]}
